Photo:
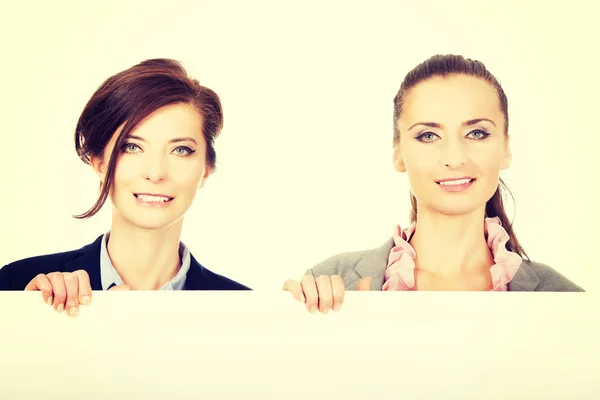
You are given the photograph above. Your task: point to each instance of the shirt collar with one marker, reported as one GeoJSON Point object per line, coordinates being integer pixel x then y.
{"type": "Point", "coordinates": [110, 276]}
{"type": "Point", "coordinates": [399, 274]}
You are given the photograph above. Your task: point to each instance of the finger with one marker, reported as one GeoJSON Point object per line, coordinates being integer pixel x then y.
{"type": "Point", "coordinates": [85, 288]}
{"type": "Point", "coordinates": [310, 292]}
{"type": "Point", "coordinates": [337, 288]}
{"type": "Point", "coordinates": [364, 284]}
{"type": "Point", "coordinates": [325, 295]}
{"type": "Point", "coordinates": [41, 283]}
{"type": "Point", "coordinates": [72, 286]}
{"type": "Point", "coordinates": [120, 287]}
{"type": "Point", "coordinates": [60, 292]}
{"type": "Point", "coordinates": [295, 289]}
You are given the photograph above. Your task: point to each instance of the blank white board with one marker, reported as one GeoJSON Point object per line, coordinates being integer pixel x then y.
{"type": "Point", "coordinates": [224, 345]}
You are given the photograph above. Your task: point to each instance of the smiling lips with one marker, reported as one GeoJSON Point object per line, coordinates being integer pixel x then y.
{"type": "Point", "coordinates": [456, 184]}
{"type": "Point", "coordinates": [153, 200]}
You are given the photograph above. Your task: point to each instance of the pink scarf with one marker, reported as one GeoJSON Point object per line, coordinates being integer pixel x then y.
{"type": "Point", "coordinates": [400, 271]}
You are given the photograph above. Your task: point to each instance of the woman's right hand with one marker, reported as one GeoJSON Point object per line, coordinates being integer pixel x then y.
{"type": "Point", "coordinates": [65, 290]}
{"type": "Point", "coordinates": [324, 293]}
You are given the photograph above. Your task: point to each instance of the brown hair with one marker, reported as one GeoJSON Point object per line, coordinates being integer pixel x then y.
{"type": "Point", "coordinates": [444, 65]}
{"type": "Point", "coordinates": [130, 96]}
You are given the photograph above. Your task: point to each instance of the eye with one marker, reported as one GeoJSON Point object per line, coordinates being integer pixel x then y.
{"type": "Point", "coordinates": [131, 148]}
{"type": "Point", "coordinates": [478, 134]}
{"type": "Point", "coordinates": [427, 137]}
{"type": "Point", "coordinates": [183, 151]}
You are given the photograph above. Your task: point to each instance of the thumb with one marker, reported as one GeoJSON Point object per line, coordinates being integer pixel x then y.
{"type": "Point", "coordinates": [364, 284]}
{"type": "Point", "coordinates": [120, 287]}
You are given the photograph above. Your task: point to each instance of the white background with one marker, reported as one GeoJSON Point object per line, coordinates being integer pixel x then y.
{"type": "Point", "coordinates": [304, 161]}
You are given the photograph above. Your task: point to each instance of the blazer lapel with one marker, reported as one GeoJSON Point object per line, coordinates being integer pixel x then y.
{"type": "Point", "coordinates": [374, 263]}
{"type": "Point", "coordinates": [194, 278]}
{"type": "Point", "coordinates": [525, 280]}
{"type": "Point", "coordinates": [88, 260]}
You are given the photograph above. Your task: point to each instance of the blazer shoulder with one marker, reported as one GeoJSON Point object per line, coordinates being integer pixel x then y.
{"type": "Point", "coordinates": [17, 274]}
{"type": "Point", "coordinates": [201, 278]}
{"type": "Point", "coordinates": [341, 264]}
{"type": "Point", "coordinates": [551, 280]}
{"type": "Point", "coordinates": [223, 283]}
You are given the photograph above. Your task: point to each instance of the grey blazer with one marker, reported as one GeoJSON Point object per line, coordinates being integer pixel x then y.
{"type": "Point", "coordinates": [353, 266]}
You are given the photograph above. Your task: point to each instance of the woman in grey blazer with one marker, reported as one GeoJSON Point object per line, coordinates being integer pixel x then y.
{"type": "Point", "coordinates": [451, 138]}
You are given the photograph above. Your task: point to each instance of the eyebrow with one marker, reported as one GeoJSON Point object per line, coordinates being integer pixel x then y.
{"type": "Point", "coordinates": [176, 140]}
{"type": "Point", "coordinates": [465, 123]}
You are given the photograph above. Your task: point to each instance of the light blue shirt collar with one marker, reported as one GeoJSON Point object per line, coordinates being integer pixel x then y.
{"type": "Point", "coordinates": [110, 276]}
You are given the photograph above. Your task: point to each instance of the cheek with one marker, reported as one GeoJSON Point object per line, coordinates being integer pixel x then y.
{"type": "Point", "coordinates": [187, 176]}
{"type": "Point", "coordinates": [125, 172]}
{"type": "Point", "coordinates": [419, 171]}
{"type": "Point", "coordinates": [489, 162]}
{"type": "Point", "coordinates": [489, 165]}
{"type": "Point", "coordinates": [419, 163]}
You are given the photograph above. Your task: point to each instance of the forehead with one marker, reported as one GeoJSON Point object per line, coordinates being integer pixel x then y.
{"type": "Point", "coordinates": [454, 98]}
{"type": "Point", "coordinates": [170, 121]}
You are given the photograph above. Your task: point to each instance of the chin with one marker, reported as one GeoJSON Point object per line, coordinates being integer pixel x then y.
{"type": "Point", "coordinates": [150, 219]}
{"type": "Point", "coordinates": [458, 211]}
{"type": "Point", "coordinates": [456, 207]}
{"type": "Point", "coordinates": [152, 224]}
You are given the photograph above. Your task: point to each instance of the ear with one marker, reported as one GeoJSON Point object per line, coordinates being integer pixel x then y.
{"type": "Point", "coordinates": [99, 166]}
{"type": "Point", "coordinates": [397, 159]}
{"type": "Point", "coordinates": [205, 174]}
{"type": "Point", "coordinates": [507, 159]}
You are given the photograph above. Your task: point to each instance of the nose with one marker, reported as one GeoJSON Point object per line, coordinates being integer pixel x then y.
{"type": "Point", "coordinates": [454, 155]}
{"type": "Point", "coordinates": [155, 169]}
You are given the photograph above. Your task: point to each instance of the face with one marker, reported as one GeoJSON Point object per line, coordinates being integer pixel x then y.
{"type": "Point", "coordinates": [160, 167]}
{"type": "Point", "coordinates": [452, 143]}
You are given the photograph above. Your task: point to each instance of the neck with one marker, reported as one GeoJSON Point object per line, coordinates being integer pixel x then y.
{"type": "Point", "coordinates": [145, 259]}
{"type": "Point", "coordinates": [448, 245]}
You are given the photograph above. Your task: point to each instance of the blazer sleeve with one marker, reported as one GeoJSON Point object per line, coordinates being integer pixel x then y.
{"type": "Point", "coordinates": [342, 264]}
{"type": "Point", "coordinates": [553, 281]}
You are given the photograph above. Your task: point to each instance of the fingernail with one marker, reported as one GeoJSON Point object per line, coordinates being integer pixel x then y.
{"type": "Point", "coordinates": [73, 311]}
{"type": "Point", "coordinates": [313, 309]}
{"type": "Point", "coordinates": [60, 308]}
{"type": "Point", "coordinates": [326, 310]}
{"type": "Point", "coordinates": [50, 300]}
{"type": "Point", "coordinates": [85, 300]}
{"type": "Point", "coordinates": [337, 307]}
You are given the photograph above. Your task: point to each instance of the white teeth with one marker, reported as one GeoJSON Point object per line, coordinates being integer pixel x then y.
{"type": "Point", "coordinates": [457, 182]}
{"type": "Point", "coordinates": [147, 198]}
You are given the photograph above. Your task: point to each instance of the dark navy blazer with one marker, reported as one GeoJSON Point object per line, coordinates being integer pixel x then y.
{"type": "Point", "coordinates": [16, 275]}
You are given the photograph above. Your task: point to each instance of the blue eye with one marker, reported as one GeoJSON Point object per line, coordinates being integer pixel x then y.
{"type": "Point", "coordinates": [478, 134]}
{"type": "Point", "coordinates": [130, 148]}
{"type": "Point", "coordinates": [427, 137]}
